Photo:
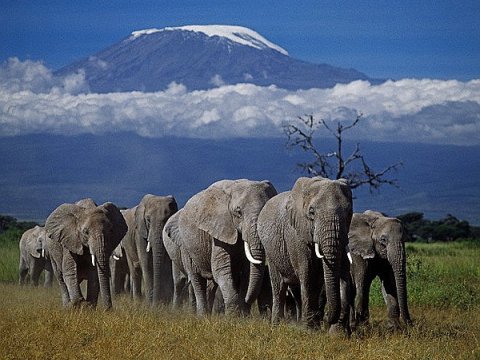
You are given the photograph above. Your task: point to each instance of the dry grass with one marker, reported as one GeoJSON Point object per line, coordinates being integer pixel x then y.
{"type": "Point", "coordinates": [33, 325]}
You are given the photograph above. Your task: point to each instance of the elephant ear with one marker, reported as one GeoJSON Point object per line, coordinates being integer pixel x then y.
{"type": "Point", "coordinates": [171, 230]}
{"type": "Point", "coordinates": [119, 226]}
{"type": "Point", "coordinates": [360, 241]}
{"type": "Point", "coordinates": [140, 220]}
{"type": "Point", "coordinates": [269, 188]}
{"type": "Point", "coordinates": [296, 207]}
{"type": "Point", "coordinates": [32, 242]}
{"type": "Point", "coordinates": [63, 226]}
{"type": "Point", "coordinates": [211, 212]}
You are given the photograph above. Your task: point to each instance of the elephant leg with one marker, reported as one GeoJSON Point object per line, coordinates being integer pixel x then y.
{"type": "Point", "coordinates": [362, 279]}
{"type": "Point", "coordinates": [179, 283]}
{"type": "Point", "coordinates": [70, 276]}
{"type": "Point", "coordinates": [135, 279]}
{"type": "Point", "coordinates": [35, 271]}
{"type": "Point", "coordinates": [223, 276]}
{"type": "Point", "coordinates": [48, 274]}
{"type": "Point", "coordinates": [310, 295]}
{"type": "Point", "coordinates": [191, 298]}
{"type": "Point", "coordinates": [345, 296]}
{"type": "Point", "coordinates": [293, 302]}
{"type": "Point", "coordinates": [199, 285]}
{"type": "Point", "coordinates": [389, 292]}
{"type": "Point", "coordinates": [23, 272]}
{"type": "Point", "coordinates": [212, 295]}
{"type": "Point", "coordinates": [146, 264]}
{"type": "Point", "coordinates": [93, 287]}
{"type": "Point", "coordinates": [279, 290]}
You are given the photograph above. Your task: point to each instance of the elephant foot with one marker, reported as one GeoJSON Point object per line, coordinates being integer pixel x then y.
{"type": "Point", "coordinates": [339, 331]}
{"type": "Point", "coordinates": [75, 304]}
{"type": "Point", "coordinates": [393, 325]}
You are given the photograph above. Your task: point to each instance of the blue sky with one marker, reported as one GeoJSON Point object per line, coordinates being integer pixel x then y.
{"type": "Point", "coordinates": [420, 39]}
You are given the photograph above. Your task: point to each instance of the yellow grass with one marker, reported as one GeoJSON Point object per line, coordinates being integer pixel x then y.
{"type": "Point", "coordinates": [33, 325]}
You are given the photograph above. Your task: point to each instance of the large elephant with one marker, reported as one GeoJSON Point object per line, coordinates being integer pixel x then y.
{"type": "Point", "coordinates": [377, 246]}
{"type": "Point", "coordinates": [218, 232]}
{"type": "Point", "coordinates": [34, 257]}
{"type": "Point", "coordinates": [82, 238]}
{"type": "Point", "coordinates": [146, 255]}
{"type": "Point", "coordinates": [304, 233]}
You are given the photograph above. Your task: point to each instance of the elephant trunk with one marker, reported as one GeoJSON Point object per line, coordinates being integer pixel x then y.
{"type": "Point", "coordinates": [329, 235]}
{"type": "Point", "coordinates": [158, 254]}
{"type": "Point", "coordinates": [257, 267]}
{"type": "Point", "coordinates": [397, 259]}
{"type": "Point", "coordinates": [103, 271]}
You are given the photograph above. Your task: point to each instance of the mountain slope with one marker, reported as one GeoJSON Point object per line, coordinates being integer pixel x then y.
{"type": "Point", "coordinates": [202, 57]}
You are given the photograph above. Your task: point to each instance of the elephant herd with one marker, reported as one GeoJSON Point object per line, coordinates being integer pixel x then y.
{"type": "Point", "coordinates": [236, 242]}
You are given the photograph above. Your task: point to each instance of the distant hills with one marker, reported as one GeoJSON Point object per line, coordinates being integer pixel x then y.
{"type": "Point", "coordinates": [39, 172]}
{"type": "Point", "coordinates": [202, 57]}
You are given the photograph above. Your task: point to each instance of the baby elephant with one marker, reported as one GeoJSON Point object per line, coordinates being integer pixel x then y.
{"type": "Point", "coordinates": [377, 247]}
{"type": "Point", "coordinates": [34, 257]}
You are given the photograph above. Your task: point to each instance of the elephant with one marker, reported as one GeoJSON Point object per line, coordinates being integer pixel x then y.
{"type": "Point", "coordinates": [119, 271]}
{"type": "Point", "coordinates": [182, 287]}
{"type": "Point", "coordinates": [82, 238]}
{"type": "Point", "coordinates": [377, 246]}
{"type": "Point", "coordinates": [146, 255]}
{"type": "Point", "coordinates": [304, 234]}
{"type": "Point", "coordinates": [34, 257]}
{"type": "Point", "coordinates": [218, 238]}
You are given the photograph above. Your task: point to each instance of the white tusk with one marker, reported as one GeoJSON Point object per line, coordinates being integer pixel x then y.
{"type": "Point", "coordinates": [115, 257]}
{"type": "Point", "coordinates": [349, 256]}
{"type": "Point", "coordinates": [249, 255]}
{"type": "Point", "coordinates": [148, 246]}
{"type": "Point", "coordinates": [43, 253]}
{"type": "Point", "coordinates": [93, 260]}
{"type": "Point", "coordinates": [317, 251]}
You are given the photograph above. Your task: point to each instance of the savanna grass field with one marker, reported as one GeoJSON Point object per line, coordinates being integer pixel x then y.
{"type": "Point", "coordinates": [444, 299]}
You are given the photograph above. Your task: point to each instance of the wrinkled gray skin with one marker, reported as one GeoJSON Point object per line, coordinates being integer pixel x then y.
{"type": "Point", "coordinates": [120, 274]}
{"type": "Point", "coordinates": [214, 227]}
{"type": "Point", "coordinates": [153, 266]}
{"type": "Point", "coordinates": [315, 211]}
{"type": "Point", "coordinates": [377, 246]}
{"type": "Point", "coordinates": [181, 284]}
{"type": "Point", "coordinates": [34, 257]}
{"type": "Point", "coordinates": [76, 232]}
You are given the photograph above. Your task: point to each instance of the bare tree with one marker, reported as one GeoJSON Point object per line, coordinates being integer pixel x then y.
{"type": "Point", "coordinates": [335, 165]}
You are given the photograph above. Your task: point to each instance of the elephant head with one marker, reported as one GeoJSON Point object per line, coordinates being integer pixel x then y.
{"type": "Point", "coordinates": [320, 211]}
{"type": "Point", "coordinates": [374, 235]}
{"type": "Point", "coordinates": [94, 230]}
{"type": "Point", "coordinates": [150, 217]}
{"type": "Point", "coordinates": [36, 247]}
{"type": "Point", "coordinates": [228, 211]}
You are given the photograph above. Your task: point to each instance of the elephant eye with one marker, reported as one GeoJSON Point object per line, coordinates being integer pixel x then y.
{"type": "Point", "coordinates": [237, 212]}
{"type": "Point", "coordinates": [383, 240]}
{"type": "Point", "coordinates": [311, 211]}
{"type": "Point", "coordinates": [85, 230]}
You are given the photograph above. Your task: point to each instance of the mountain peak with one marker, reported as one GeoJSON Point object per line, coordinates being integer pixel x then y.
{"type": "Point", "coordinates": [237, 34]}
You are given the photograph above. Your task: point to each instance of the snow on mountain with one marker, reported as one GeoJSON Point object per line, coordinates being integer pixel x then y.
{"type": "Point", "coordinates": [202, 57]}
{"type": "Point", "coordinates": [238, 34]}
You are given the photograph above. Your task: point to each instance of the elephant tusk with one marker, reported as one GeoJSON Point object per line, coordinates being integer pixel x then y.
{"type": "Point", "coordinates": [148, 246]}
{"type": "Point", "coordinates": [93, 260]}
{"type": "Point", "coordinates": [115, 257]}
{"type": "Point", "coordinates": [43, 253]}
{"type": "Point", "coordinates": [349, 256]}
{"type": "Point", "coordinates": [317, 251]}
{"type": "Point", "coordinates": [249, 255]}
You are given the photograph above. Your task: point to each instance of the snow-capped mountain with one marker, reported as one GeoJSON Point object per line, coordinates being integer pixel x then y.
{"type": "Point", "coordinates": [202, 57]}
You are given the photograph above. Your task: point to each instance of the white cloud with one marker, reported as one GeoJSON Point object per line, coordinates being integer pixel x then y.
{"type": "Point", "coordinates": [33, 100]}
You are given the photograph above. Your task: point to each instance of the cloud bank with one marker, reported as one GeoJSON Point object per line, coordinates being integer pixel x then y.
{"type": "Point", "coordinates": [33, 100]}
